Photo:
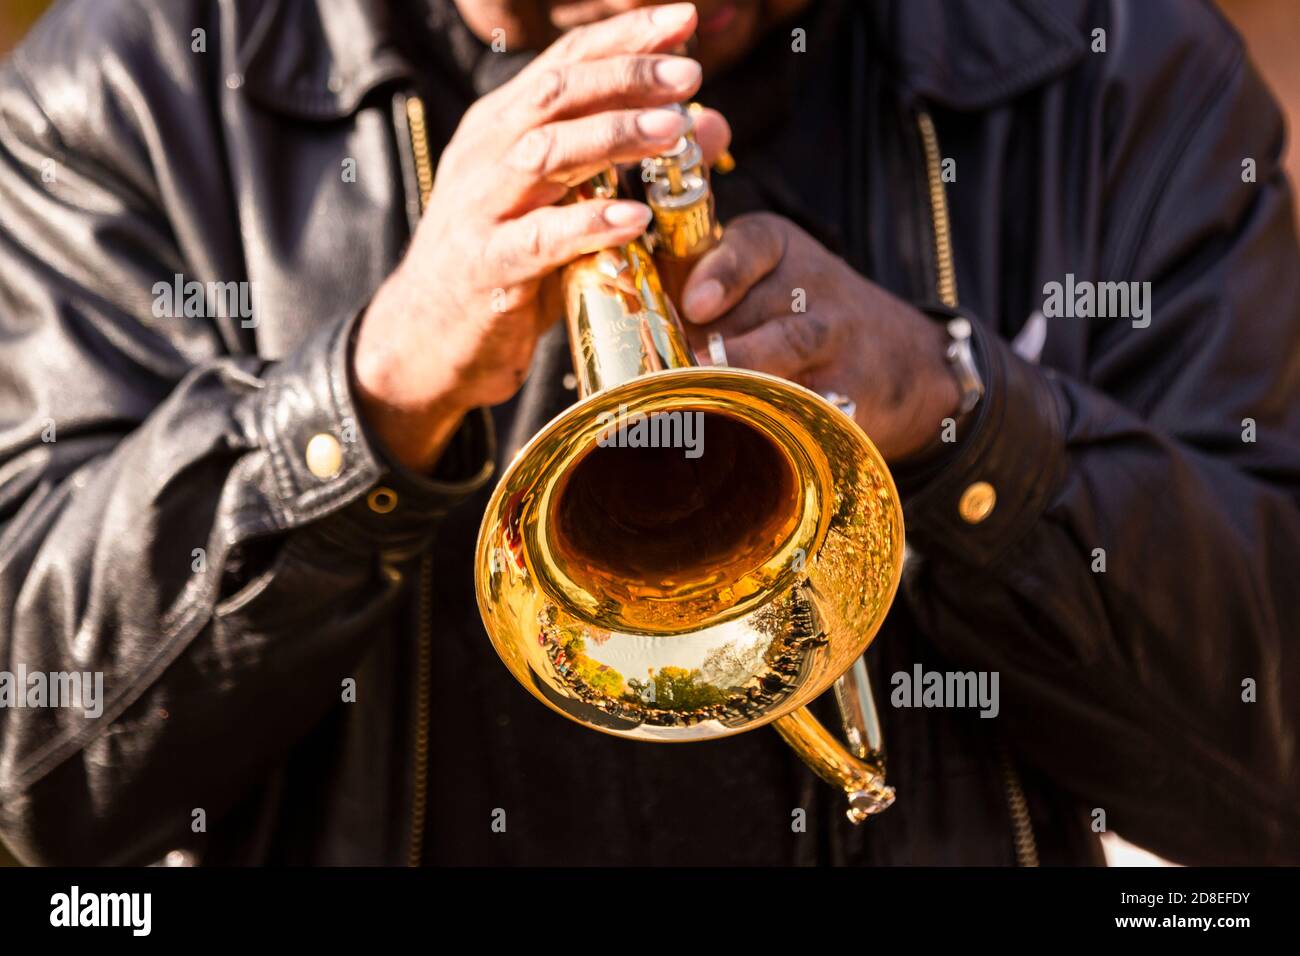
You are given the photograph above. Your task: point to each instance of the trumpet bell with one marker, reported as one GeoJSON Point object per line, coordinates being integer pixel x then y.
{"type": "Point", "coordinates": [698, 590]}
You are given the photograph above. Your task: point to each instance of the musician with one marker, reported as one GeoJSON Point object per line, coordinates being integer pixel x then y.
{"type": "Point", "coordinates": [226, 513]}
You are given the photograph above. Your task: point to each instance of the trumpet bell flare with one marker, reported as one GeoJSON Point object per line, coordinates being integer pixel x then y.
{"type": "Point", "coordinates": [662, 596]}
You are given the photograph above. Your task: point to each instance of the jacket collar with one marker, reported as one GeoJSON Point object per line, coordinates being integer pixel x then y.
{"type": "Point", "coordinates": [961, 54]}
{"type": "Point", "coordinates": [317, 59]}
{"type": "Point", "coordinates": [973, 54]}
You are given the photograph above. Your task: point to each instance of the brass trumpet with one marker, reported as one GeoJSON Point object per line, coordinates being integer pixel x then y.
{"type": "Point", "coordinates": [661, 597]}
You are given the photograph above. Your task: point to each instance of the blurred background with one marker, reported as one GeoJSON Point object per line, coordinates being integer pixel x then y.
{"type": "Point", "coordinates": [1272, 32]}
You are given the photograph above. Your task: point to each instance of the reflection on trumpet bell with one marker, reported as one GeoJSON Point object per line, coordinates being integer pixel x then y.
{"type": "Point", "coordinates": [746, 670]}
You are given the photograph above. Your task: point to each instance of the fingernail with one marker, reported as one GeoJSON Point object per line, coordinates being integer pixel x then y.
{"type": "Point", "coordinates": [672, 16]}
{"type": "Point", "coordinates": [677, 73]}
{"type": "Point", "coordinates": [627, 214]}
{"type": "Point", "coordinates": [702, 300]}
{"type": "Point", "coordinates": [661, 124]}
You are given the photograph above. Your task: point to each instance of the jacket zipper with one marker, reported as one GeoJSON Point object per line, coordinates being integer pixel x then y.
{"type": "Point", "coordinates": [946, 281]}
{"type": "Point", "coordinates": [1022, 825]}
{"type": "Point", "coordinates": [420, 147]}
{"type": "Point", "coordinates": [419, 143]}
{"type": "Point", "coordinates": [424, 654]}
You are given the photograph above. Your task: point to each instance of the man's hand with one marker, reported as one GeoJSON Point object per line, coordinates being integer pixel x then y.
{"type": "Point", "coordinates": [455, 325]}
{"type": "Point", "coordinates": [854, 337]}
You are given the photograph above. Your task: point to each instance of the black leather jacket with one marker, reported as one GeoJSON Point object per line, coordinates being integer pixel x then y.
{"type": "Point", "coordinates": [172, 536]}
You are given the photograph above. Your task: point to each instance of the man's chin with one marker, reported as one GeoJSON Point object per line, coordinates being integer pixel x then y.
{"type": "Point", "coordinates": [726, 29]}
{"type": "Point", "coordinates": [719, 48]}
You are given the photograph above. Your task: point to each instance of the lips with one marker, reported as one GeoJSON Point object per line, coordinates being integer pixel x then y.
{"type": "Point", "coordinates": [576, 13]}
{"type": "Point", "coordinates": [718, 21]}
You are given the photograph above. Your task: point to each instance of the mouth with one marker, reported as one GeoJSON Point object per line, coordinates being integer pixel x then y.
{"type": "Point", "coordinates": [567, 14]}
{"type": "Point", "coordinates": [717, 21]}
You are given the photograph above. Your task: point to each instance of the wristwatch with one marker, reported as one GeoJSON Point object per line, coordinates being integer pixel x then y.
{"type": "Point", "coordinates": [961, 359]}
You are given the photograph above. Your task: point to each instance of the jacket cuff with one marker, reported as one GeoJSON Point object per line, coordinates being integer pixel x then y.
{"type": "Point", "coordinates": [330, 471]}
{"type": "Point", "coordinates": [1005, 470]}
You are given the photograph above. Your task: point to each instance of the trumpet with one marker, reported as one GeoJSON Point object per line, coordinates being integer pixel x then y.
{"type": "Point", "coordinates": [660, 595]}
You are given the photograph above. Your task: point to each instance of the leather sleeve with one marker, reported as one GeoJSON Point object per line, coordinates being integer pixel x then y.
{"type": "Point", "coordinates": [1177, 464]}
{"type": "Point", "coordinates": [158, 521]}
